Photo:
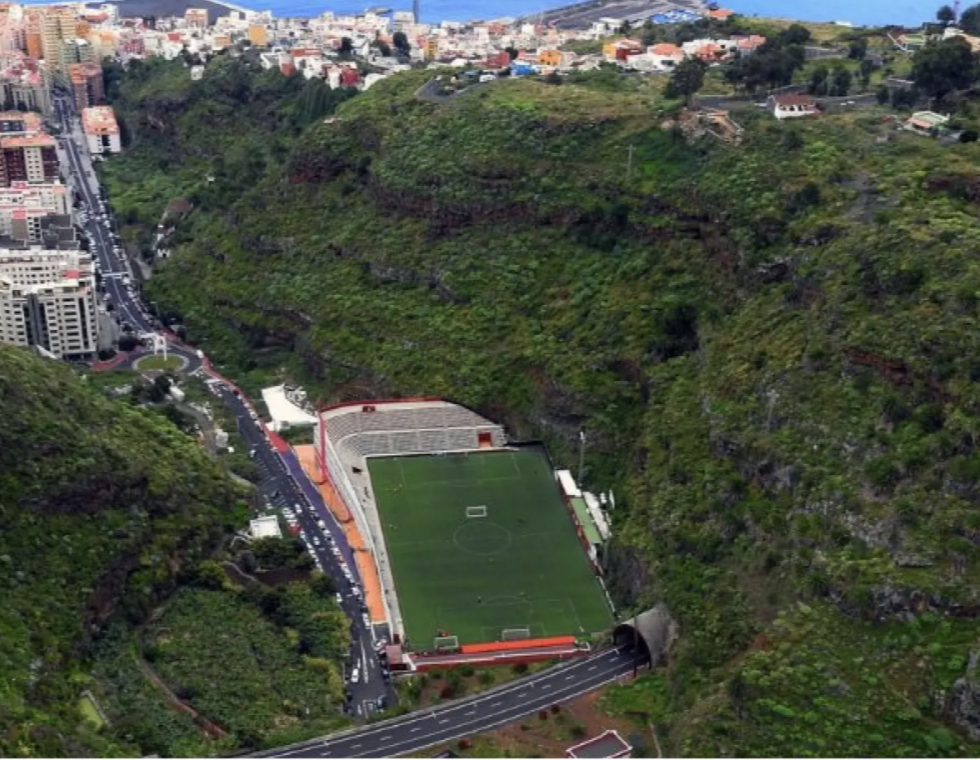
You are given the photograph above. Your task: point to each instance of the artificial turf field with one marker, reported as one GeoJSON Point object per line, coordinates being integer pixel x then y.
{"type": "Point", "coordinates": [521, 566]}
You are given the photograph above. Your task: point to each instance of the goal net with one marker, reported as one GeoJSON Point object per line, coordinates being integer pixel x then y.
{"type": "Point", "coordinates": [515, 634]}
{"type": "Point", "coordinates": [478, 511]}
{"type": "Point", "coordinates": [446, 643]}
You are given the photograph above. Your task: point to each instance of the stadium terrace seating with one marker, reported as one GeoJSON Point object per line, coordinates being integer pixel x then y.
{"type": "Point", "coordinates": [425, 429]}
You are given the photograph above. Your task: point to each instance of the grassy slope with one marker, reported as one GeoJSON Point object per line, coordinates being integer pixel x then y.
{"type": "Point", "coordinates": [100, 506]}
{"type": "Point", "coordinates": [772, 348]}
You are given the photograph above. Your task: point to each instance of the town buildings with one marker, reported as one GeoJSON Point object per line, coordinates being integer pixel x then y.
{"type": "Point", "coordinates": [101, 130]}
{"type": "Point", "coordinates": [48, 299]}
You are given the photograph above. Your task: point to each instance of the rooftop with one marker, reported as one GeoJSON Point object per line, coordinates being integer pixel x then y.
{"type": "Point", "coordinates": [99, 120]}
{"type": "Point", "coordinates": [28, 141]}
{"type": "Point", "coordinates": [608, 744]}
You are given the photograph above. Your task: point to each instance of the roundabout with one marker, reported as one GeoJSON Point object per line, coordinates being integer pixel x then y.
{"type": "Point", "coordinates": [158, 362]}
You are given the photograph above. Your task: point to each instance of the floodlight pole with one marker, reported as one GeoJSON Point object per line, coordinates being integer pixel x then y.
{"type": "Point", "coordinates": [581, 455]}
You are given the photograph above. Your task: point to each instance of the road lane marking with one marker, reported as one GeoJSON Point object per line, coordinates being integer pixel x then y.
{"type": "Point", "coordinates": [591, 668]}
{"type": "Point", "coordinates": [471, 712]}
{"type": "Point", "coordinates": [415, 729]}
{"type": "Point", "coordinates": [545, 686]}
{"type": "Point", "coordinates": [569, 678]}
{"type": "Point", "coordinates": [355, 746]}
{"type": "Point", "coordinates": [496, 704]}
{"type": "Point", "coordinates": [386, 737]}
{"type": "Point", "coordinates": [444, 720]}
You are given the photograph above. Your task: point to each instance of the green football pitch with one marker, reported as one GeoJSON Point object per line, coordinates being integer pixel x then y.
{"type": "Point", "coordinates": [519, 566]}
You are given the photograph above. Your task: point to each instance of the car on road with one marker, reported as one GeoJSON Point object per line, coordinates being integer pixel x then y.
{"type": "Point", "coordinates": [355, 675]}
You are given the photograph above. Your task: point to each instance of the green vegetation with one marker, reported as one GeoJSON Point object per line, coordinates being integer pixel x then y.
{"type": "Point", "coordinates": [158, 362]}
{"type": "Point", "coordinates": [109, 513]}
{"type": "Point", "coordinates": [772, 348]}
{"type": "Point", "coordinates": [102, 506]}
{"type": "Point", "coordinates": [520, 566]}
{"type": "Point", "coordinates": [220, 653]}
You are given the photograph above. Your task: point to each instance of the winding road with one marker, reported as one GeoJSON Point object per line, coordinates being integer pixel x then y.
{"type": "Point", "coordinates": [505, 704]}
{"type": "Point", "coordinates": [283, 483]}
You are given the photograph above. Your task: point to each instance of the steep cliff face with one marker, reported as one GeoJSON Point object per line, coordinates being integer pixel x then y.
{"type": "Point", "coordinates": [781, 390]}
{"type": "Point", "coordinates": [101, 507]}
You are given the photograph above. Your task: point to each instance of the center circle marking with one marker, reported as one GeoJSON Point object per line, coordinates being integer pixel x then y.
{"type": "Point", "coordinates": [477, 536]}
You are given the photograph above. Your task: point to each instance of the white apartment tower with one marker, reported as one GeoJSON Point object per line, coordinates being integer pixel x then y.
{"type": "Point", "coordinates": [48, 299]}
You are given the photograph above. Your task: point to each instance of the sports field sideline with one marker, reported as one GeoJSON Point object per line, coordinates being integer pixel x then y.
{"type": "Point", "coordinates": [519, 566]}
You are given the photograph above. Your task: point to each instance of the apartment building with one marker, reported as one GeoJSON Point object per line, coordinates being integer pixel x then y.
{"type": "Point", "coordinates": [48, 299]}
{"type": "Point", "coordinates": [36, 214]}
{"type": "Point", "coordinates": [28, 158]}
{"type": "Point", "coordinates": [25, 86]}
{"type": "Point", "coordinates": [86, 83]}
{"type": "Point", "coordinates": [57, 27]}
{"type": "Point", "coordinates": [101, 130]}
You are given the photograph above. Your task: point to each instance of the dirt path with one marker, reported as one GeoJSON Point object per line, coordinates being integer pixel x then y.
{"type": "Point", "coordinates": [211, 728]}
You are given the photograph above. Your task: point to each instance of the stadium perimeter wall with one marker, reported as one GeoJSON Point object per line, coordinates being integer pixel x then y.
{"type": "Point", "coordinates": [333, 469]}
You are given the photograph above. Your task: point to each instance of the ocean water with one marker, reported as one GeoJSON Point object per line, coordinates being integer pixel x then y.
{"type": "Point", "coordinates": [863, 12]}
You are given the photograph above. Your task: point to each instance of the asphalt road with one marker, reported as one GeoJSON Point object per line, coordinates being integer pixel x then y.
{"type": "Point", "coordinates": [281, 485]}
{"type": "Point", "coordinates": [425, 728]}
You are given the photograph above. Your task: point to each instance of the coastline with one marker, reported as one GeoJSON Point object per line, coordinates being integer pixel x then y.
{"type": "Point", "coordinates": [160, 8]}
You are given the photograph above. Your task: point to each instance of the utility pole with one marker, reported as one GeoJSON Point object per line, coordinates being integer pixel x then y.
{"type": "Point", "coordinates": [629, 162]}
{"type": "Point", "coordinates": [581, 455]}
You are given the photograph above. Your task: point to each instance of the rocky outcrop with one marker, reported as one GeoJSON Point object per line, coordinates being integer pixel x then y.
{"type": "Point", "coordinates": [962, 704]}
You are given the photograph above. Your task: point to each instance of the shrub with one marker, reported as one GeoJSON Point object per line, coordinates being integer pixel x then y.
{"type": "Point", "coordinates": [543, 715]}
{"type": "Point", "coordinates": [969, 135]}
{"type": "Point", "coordinates": [466, 671]}
{"type": "Point", "coordinates": [555, 709]}
{"type": "Point", "coordinates": [520, 668]}
{"type": "Point", "coordinates": [578, 731]}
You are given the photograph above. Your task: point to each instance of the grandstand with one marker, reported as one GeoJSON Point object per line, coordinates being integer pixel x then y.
{"type": "Point", "coordinates": [402, 443]}
{"type": "Point", "coordinates": [347, 434]}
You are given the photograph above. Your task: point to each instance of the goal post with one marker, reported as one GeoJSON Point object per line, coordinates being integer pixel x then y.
{"type": "Point", "coordinates": [477, 511]}
{"type": "Point", "coordinates": [446, 643]}
{"type": "Point", "coordinates": [515, 634]}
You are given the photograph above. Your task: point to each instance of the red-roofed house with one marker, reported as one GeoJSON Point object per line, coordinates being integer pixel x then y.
{"type": "Point", "coordinates": [665, 55]}
{"type": "Point", "coordinates": [349, 77]}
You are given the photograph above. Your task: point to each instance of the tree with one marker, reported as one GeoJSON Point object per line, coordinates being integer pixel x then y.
{"type": "Point", "coordinates": [904, 97]}
{"type": "Point", "coordinates": [384, 49]}
{"type": "Point", "coordinates": [939, 68]}
{"type": "Point", "coordinates": [842, 82]}
{"type": "Point", "coordinates": [512, 52]}
{"type": "Point", "coordinates": [687, 79]}
{"type": "Point", "coordinates": [346, 46]}
{"type": "Point", "coordinates": [552, 77]}
{"type": "Point", "coordinates": [818, 81]}
{"type": "Point", "coordinates": [858, 49]}
{"type": "Point", "coordinates": [400, 41]}
{"type": "Point", "coordinates": [795, 34]}
{"type": "Point", "coordinates": [882, 95]}
{"type": "Point", "coordinates": [970, 19]}
{"type": "Point", "coordinates": [946, 15]}
{"type": "Point", "coordinates": [867, 67]}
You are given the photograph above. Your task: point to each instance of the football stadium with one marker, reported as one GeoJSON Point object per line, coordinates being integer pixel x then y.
{"type": "Point", "coordinates": [470, 537]}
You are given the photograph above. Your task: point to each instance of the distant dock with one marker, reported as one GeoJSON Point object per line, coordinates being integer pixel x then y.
{"type": "Point", "coordinates": [583, 15]}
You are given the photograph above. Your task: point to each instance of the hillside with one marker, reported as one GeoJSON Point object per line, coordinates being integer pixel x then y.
{"type": "Point", "coordinates": [771, 346]}
{"type": "Point", "coordinates": [102, 506]}
{"type": "Point", "coordinates": [110, 519]}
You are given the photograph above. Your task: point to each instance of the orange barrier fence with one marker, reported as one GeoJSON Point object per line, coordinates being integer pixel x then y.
{"type": "Point", "coordinates": [368, 570]}
{"type": "Point", "coordinates": [509, 646]}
